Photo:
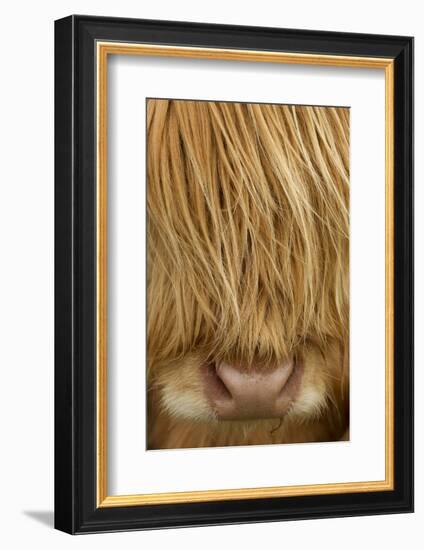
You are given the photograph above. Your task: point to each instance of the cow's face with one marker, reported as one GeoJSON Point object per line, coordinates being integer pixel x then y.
{"type": "Point", "coordinates": [248, 261]}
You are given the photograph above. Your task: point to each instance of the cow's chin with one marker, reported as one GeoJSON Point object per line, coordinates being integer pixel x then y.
{"type": "Point", "coordinates": [310, 406]}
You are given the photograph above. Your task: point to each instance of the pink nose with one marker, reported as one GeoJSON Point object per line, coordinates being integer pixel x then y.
{"type": "Point", "coordinates": [236, 393]}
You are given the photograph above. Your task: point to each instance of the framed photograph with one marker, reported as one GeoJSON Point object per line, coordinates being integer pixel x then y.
{"type": "Point", "coordinates": [234, 269]}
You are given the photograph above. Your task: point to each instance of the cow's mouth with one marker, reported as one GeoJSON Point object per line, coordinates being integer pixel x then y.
{"type": "Point", "coordinates": [235, 393]}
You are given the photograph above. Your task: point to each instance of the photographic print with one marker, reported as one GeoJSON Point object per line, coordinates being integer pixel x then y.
{"type": "Point", "coordinates": [248, 273]}
{"type": "Point", "coordinates": [233, 274]}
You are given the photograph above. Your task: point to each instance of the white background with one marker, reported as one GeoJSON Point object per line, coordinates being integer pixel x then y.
{"type": "Point", "coordinates": [26, 275]}
{"type": "Point", "coordinates": [131, 468]}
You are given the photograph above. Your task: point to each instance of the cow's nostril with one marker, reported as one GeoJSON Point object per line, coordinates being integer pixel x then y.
{"type": "Point", "coordinates": [237, 393]}
{"type": "Point", "coordinates": [215, 386]}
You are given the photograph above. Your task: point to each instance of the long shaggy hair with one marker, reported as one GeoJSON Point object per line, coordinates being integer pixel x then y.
{"type": "Point", "coordinates": [248, 263]}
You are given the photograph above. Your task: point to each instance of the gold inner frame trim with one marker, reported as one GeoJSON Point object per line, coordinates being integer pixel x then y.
{"type": "Point", "coordinates": [103, 50]}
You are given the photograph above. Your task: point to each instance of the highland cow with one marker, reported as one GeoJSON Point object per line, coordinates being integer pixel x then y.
{"type": "Point", "coordinates": [248, 273]}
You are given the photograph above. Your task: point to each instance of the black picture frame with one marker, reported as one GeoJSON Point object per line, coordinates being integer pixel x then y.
{"type": "Point", "coordinates": [76, 508]}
